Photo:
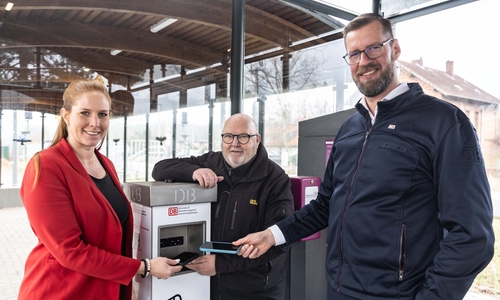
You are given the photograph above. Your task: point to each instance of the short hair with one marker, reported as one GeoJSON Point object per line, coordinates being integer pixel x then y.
{"type": "Point", "coordinates": [365, 19]}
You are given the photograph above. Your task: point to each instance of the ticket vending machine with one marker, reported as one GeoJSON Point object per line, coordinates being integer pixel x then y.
{"type": "Point", "coordinates": [169, 219]}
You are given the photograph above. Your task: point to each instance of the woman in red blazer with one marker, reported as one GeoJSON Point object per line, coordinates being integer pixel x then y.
{"type": "Point", "coordinates": [78, 211]}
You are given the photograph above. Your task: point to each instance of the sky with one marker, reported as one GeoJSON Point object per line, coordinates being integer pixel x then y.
{"type": "Point", "coordinates": [466, 35]}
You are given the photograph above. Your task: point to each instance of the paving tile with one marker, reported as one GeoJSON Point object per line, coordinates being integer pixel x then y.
{"type": "Point", "coordinates": [16, 241]}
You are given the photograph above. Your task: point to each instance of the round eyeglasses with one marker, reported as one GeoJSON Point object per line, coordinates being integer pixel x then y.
{"type": "Point", "coordinates": [228, 138]}
{"type": "Point", "coordinates": [370, 52]}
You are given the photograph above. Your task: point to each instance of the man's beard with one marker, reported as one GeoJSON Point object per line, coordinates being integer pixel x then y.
{"type": "Point", "coordinates": [372, 89]}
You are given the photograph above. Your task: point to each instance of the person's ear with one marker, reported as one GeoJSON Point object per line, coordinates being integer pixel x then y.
{"type": "Point", "coordinates": [64, 115]}
{"type": "Point", "coordinates": [396, 49]}
{"type": "Point", "coordinates": [258, 137]}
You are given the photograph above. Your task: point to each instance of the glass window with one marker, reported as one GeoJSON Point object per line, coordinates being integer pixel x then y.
{"type": "Point", "coordinates": [178, 109]}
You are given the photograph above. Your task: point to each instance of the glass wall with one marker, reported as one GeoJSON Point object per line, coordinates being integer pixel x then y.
{"type": "Point", "coordinates": [279, 92]}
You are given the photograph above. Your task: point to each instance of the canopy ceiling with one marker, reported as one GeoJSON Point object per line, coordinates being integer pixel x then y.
{"type": "Point", "coordinates": [85, 32]}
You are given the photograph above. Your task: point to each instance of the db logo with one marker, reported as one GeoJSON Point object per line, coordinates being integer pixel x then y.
{"type": "Point", "coordinates": [173, 211]}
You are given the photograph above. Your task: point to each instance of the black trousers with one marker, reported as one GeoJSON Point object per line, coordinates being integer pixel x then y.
{"type": "Point", "coordinates": [276, 292]}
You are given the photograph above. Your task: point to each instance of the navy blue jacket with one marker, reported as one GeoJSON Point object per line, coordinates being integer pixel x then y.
{"type": "Point", "coordinates": [406, 201]}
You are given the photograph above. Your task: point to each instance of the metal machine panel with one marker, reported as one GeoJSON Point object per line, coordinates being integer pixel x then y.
{"type": "Point", "coordinates": [158, 193]}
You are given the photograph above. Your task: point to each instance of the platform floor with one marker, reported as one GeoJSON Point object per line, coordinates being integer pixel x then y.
{"type": "Point", "coordinates": [16, 241]}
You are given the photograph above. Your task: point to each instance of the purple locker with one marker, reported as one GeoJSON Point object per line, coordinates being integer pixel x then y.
{"type": "Point", "coordinates": [305, 189]}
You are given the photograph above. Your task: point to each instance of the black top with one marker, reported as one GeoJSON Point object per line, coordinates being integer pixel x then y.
{"type": "Point", "coordinates": [115, 198]}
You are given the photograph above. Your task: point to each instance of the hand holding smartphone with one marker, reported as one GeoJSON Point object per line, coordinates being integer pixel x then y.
{"type": "Point", "coordinates": [186, 257]}
{"type": "Point", "coordinates": [220, 247]}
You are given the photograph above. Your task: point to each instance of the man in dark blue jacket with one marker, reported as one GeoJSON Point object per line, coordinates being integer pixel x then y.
{"type": "Point", "coordinates": [405, 195]}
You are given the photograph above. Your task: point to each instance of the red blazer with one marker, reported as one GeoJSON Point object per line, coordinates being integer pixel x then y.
{"type": "Point", "coordinates": [78, 255]}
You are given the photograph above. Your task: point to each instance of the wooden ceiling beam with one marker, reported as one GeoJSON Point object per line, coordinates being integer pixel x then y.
{"type": "Point", "coordinates": [77, 35]}
{"type": "Point", "coordinates": [262, 25]}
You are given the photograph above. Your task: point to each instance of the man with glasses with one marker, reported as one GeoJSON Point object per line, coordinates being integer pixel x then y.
{"type": "Point", "coordinates": [405, 195]}
{"type": "Point", "coordinates": [253, 193]}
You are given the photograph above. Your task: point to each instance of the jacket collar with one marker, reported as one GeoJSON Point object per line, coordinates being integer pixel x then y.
{"type": "Point", "coordinates": [398, 102]}
{"type": "Point", "coordinates": [68, 153]}
{"type": "Point", "coordinates": [253, 170]}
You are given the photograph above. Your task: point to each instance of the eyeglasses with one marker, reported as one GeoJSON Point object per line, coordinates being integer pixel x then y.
{"type": "Point", "coordinates": [370, 52]}
{"type": "Point", "coordinates": [228, 138]}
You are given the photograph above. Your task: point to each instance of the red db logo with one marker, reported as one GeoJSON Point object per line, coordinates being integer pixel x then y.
{"type": "Point", "coordinates": [173, 211]}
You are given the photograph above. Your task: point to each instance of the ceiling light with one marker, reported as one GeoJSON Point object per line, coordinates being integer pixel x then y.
{"type": "Point", "coordinates": [162, 24]}
{"type": "Point", "coordinates": [9, 6]}
{"type": "Point", "coordinates": [115, 52]}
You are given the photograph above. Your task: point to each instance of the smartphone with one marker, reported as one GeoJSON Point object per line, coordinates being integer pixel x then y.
{"type": "Point", "coordinates": [220, 247]}
{"type": "Point", "coordinates": [186, 257]}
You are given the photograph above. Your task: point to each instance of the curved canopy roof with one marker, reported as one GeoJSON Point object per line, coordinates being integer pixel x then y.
{"type": "Point", "coordinates": [45, 44]}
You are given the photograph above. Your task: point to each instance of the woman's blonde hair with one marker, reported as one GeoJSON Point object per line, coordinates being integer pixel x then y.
{"type": "Point", "coordinates": [70, 96]}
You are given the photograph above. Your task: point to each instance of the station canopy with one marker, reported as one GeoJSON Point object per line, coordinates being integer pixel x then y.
{"type": "Point", "coordinates": [47, 44]}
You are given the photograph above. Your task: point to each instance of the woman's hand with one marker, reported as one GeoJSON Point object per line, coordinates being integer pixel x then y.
{"type": "Point", "coordinates": [163, 267]}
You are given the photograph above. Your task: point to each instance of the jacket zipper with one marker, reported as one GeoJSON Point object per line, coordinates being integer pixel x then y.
{"type": "Point", "coordinates": [219, 294]}
{"type": "Point", "coordinates": [234, 214]}
{"type": "Point", "coordinates": [220, 202]}
{"type": "Point", "coordinates": [402, 253]}
{"type": "Point", "coordinates": [225, 215]}
{"type": "Point", "coordinates": [269, 265]}
{"type": "Point", "coordinates": [217, 210]}
{"type": "Point", "coordinates": [345, 208]}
